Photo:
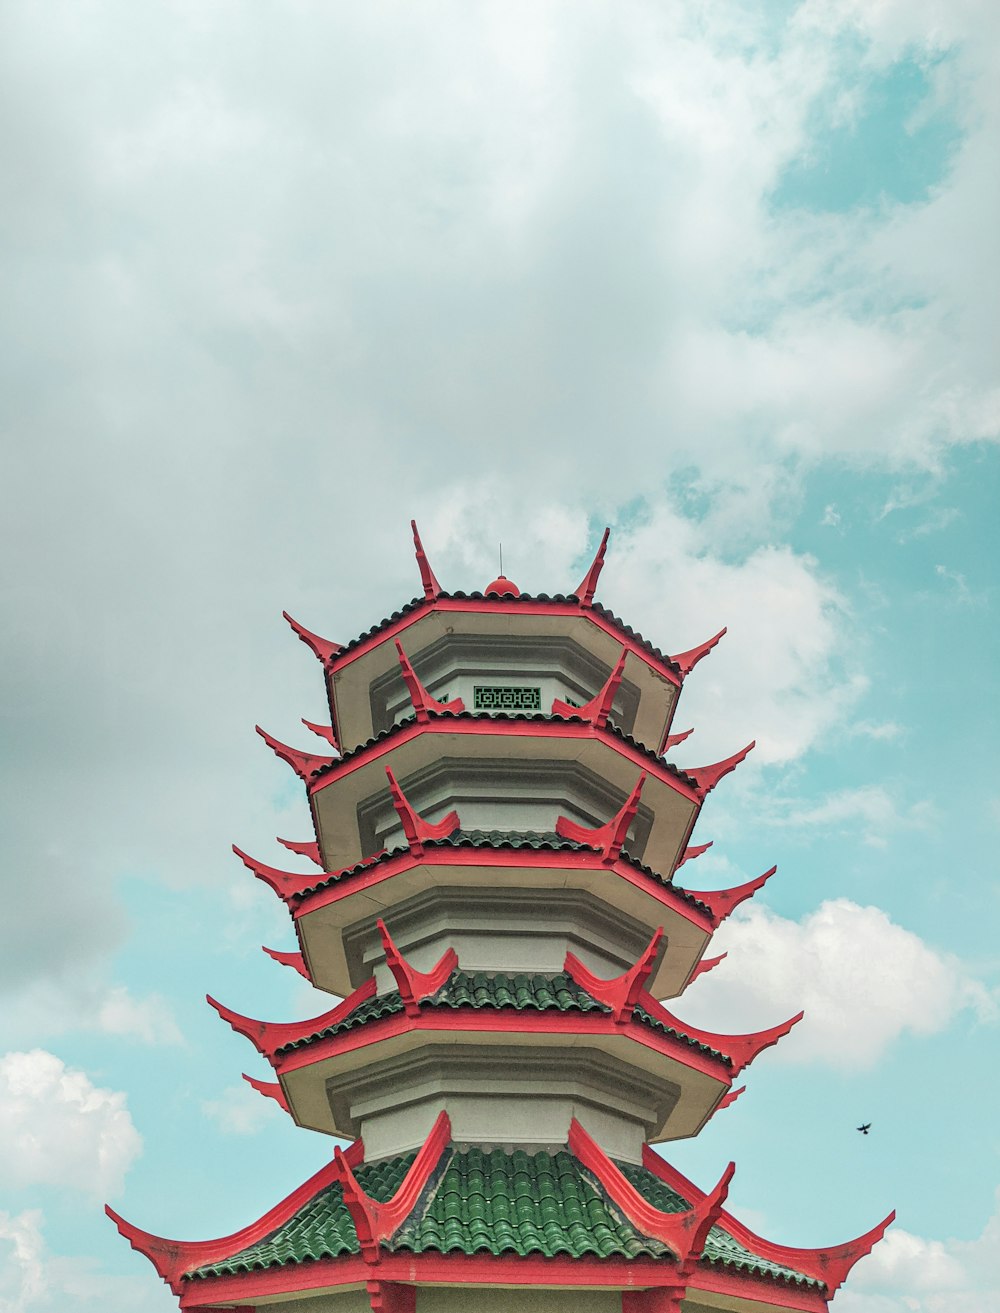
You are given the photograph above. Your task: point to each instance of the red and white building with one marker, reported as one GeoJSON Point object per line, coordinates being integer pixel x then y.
{"type": "Point", "coordinates": [497, 902]}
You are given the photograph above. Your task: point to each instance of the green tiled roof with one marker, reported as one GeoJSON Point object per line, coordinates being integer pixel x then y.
{"type": "Point", "coordinates": [523, 993]}
{"type": "Point", "coordinates": [492, 1202]}
{"type": "Point", "coordinates": [477, 990]}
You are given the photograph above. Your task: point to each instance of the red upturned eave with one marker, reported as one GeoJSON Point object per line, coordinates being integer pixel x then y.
{"type": "Point", "coordinates": [477, 1021]}
{"type": "Point", "coordinates": [331, 1274]}
{"type": "Point", "coordinates": [830, 1265]}
{"type": "Point", "coordinates": [700, 782]}
{"type": "Point", "coordinates": [172, 1258]}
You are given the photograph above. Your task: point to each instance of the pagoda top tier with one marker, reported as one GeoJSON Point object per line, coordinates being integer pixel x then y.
{"type": "Point", "coordinates": [501, 651]}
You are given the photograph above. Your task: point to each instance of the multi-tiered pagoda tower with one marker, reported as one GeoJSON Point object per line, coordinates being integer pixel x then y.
{"type": "Point", "coordinates": [497, 832]}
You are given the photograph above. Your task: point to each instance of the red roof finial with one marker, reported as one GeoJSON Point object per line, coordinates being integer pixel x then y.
{"type": "Point", "coordinates": [588, 584]}
{"type": "Point", "coordinates": [432, 588]}
{"type": "Point", "coordinates": [707, 777]}
{"type": "Point", "coordinates": [323, 648]}
{"type": "Point", "coordinates": [502, 587]}
{"type": "Point", "coordinates": [304, 764]}
{"type": "Point", "coordinates": [689, 659]}
{"type": "Point", "coordinates": [721, 902]}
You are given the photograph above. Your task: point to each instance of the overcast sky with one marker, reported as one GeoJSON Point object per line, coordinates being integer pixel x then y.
{"type": "Point", "coordinates": [276, 278]}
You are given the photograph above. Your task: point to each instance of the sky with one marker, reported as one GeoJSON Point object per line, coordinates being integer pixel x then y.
{"type": "Point", "coordinates": [276, 278]}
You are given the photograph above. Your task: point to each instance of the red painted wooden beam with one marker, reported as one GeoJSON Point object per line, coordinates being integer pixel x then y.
{"type": "Point", "coordinates": [391, 1297]}
{"type": "Point", "coordinates": [597, 710]}
{"type": "Point", "coordinates": [622, 993]}
{"type": "Point", "coordinates": [423, 703]}
{"type": "Point", "coordinates": [588, 584]}
{"type": "Point", "coordinates": [413, 985]}
{"type": "Point", "coordinates": [374, 1221]}
{"type": "Point", "coordinates": [432, 588]}
{"type": "Point", "coordinates": [688, 660]}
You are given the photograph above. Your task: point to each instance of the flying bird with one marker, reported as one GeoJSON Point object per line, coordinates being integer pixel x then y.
{"type": "Point", "coordinates": [865, 1128]}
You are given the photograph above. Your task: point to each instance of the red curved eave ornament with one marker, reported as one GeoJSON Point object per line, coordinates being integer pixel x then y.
{"type": "Point", "coordinates": [322, 648]}
{"type": "Point", "coordinates": [609, 838]}
{"type": "Point", "coordinates": [423, 703]}
{"type": "Point", "coordinates": [707, 777]}
{"type": "Point", "coordinates": [830, 1265]}
{"type": "Point", "coordinates": [307, 848]}
{"type": "Point", "coordinates": [687, 661]}
{"type": "Point", "coordinates": [374, 1221]}
{"type": "Point", "coordinates": [304, 764]}
{"type": "Point", "coordinates": [690, 853]}
{"type": "Point", "coordinates": [269, 1036]}
{"type": "Point", "coordinates": [286, 884]}
{"type": "Point", "coordinates": [598, 709]}
{"type": "Point", "coordinates": [432, 588]}
{"type": "Point", "coordinates": [323, 732]}
{"type": "Point", "coordinates": [173, 1258]}
{"type": "Point", "coordinates": [671, 740]}
{"type": "Point", "coordinates": [415, 828]}
{"type": "Point", "coordinates": [739, 1049]}
{"type": "Point", "coordinates": [294, 960]}
{"type": "Point", "coordinates": [721, 902]}
{"type": "Point", "coordinates": [414, 986]}
{"type": "Point", "coordinates": [684, 1233]}
{"type": "Point", "coordinates": [588, 584]}
{"type": "Point", "coordinates": [269, 1089]}
{"type": "Point", "coordinates": [621, 993]}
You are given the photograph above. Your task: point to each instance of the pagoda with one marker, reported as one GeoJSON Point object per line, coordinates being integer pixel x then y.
{"type": "Point", "coordinates": [493, 900]}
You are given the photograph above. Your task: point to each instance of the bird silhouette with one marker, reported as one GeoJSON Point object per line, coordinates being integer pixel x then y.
{"type": "Point", "coordinates": [865, 1128]}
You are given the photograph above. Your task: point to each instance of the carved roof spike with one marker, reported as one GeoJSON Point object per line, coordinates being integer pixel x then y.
{"type": "Point", "coordinates": [269, 1089]}
{"type": "Point", "coordinates": [323, 648]}
{"type": "Point", "coordinates": [693, 851]}
{"type": "Point", "coordinates": [687, 661]}
{"type": "Point", "coordinates": [707, 777]}
{"type": "Point", "coordinates": [621, 993]}
{"type": "Point", "coordinates": [374, 1221]}
{"type": "Point", "coordinates": [306, 848]}
{"type": "Point", "coordinates": [418, 831]}
{"type": "Point", "coordinates": [423, 703]}
{"type": "Point", "coordinates": [413, 985]}
{"type": "Point", "coordinates": [671, 740]}
{"type": "Point", "coordinates": [588, 584]}
{"type": "Point", "coordinates": [722, 902]}
{"type": "Point", "coordinates": [608, 839]}
{"type": "Point", "coordinates": [324, 732]}
{"type": "Point", "coordinates": [286, 884]}
{"type": "Point", "coordinates": [304, 764]}
{"type": "Point", "coordinates": [598, 709]}
{"type": "Point", "coordinates": [269, 1036]}
{"type": "Point", "coordinates": [294, 960]}
{"type": "Point", "coordinates": [432, 588]}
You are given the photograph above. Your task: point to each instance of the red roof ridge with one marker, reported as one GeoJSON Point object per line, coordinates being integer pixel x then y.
{"type": "Point", "coordinates": [414, 985]}
{"type": "Point", "coordinates": [685, 1233]}
{"type": "Point", "coordinates": [609, 838]}
{"type": "Point", "coordinates": [739, 1049]}
{"type": "Point", "coordinates": [597, 710]}
{"type": "Point", "coordinates": [722, 902]}
{"type": "Point", "coordinates": [707, 777]}
{"type": "Point", "coordinates": [374, 1221]}
{"type": "Point", "coordinates": [323, 648]}
{"type": "Point", "coordinates": [621, 993]}
{"type": "Point", "coordinates": [304, 764]}
{"type": "Point", "coordinates": [829, 1265]}
{"type": "Point", "coordinates": [172, 1258]}
{"type": "Point", "coordinates": [432, 588]}
{"type": "Point", "coordinates": [588, 584]}
{"type": "Point", "coordinates": [269, 1036]}
{"type": "Point", "coordinates": [686, 661]}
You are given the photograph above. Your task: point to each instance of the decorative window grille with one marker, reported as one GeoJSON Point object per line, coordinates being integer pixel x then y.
{"type": "Point", "coordinates": [504, 697]}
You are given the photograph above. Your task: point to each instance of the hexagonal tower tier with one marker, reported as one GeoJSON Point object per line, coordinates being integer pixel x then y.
{"type": "Point", "coordinates": [497, 831]}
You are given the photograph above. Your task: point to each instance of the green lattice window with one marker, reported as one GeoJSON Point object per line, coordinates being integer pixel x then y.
{"type": "Point", "coordinates": [505, 697]}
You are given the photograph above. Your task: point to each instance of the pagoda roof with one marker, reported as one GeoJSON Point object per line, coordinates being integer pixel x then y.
{"type": "Point", "coordinates": [496, 992]}
{"type": "Point", "coordinates": [500, 1203]}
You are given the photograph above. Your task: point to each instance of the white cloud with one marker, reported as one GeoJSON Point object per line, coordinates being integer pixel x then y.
{"type": "Point", "coordinates": [906, 1273]}
{"type": "Point", "coordinates": [50, 1007]}
{"type": "Point", "coordinates": [861, 979]}
{"type": "Point", "coordinates": [240, 1110]}
{"type": "Point", "coordinates": [148, 1019]}
{"type": "Point", "coordinates": [57, 1128]}
{"type": "Point", "coordinates": [34, 1280]}
{"type": "Point", "coordinates": [869, 810]}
